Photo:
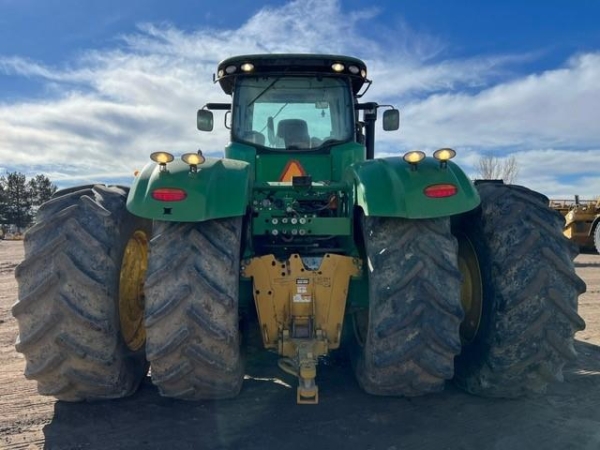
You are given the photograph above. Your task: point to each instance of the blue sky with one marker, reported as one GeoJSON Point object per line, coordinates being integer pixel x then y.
{"type": "Point", "coordinates": [88, 89]}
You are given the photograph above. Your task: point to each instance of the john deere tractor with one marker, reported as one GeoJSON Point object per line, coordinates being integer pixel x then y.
{"type": "Point", "coordinates": [421, 275]}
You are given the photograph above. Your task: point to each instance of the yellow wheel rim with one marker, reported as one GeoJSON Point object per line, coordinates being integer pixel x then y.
{"type": "Point", "coordinates": [471, 289]}
{"type": "Point", "coordinates": [131, 290]}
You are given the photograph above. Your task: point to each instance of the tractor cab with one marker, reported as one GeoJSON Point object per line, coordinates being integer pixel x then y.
{"type": "Point", "coordinates": [296, 103]}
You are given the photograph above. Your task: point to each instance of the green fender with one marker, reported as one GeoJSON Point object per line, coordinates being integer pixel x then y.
{"type": "Point", "coordinates": [390, 187]}
{"type": "Point", "coordinates": [219, 188]}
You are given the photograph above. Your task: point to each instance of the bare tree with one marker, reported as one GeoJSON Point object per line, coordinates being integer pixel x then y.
{"type": "Point", "coordinates": [493, 168]}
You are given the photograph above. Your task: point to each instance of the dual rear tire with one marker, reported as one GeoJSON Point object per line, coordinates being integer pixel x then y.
{"type": "Point", "coordinates": [94, 309]}
{"type": "Point", "coordinates": [517, 304]}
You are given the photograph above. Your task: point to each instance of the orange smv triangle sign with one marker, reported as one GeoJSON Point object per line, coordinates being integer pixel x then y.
{"type": "Point", "coordinates": [292, 169]}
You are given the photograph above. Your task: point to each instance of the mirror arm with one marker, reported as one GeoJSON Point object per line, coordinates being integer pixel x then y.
{"type": "Point", "coordinates": [217, 106]}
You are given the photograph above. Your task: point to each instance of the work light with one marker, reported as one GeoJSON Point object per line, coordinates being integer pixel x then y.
{"type": "Point", "coordinates": [444, 154]}
{"type": "Point", "coordinates": [193, 159]}
{"type": "Point", "coordinates": [414, 157]}
{"type": "Point", "coordinates": [162, 157]}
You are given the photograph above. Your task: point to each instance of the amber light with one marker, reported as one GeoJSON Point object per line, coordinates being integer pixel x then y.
{"type": "Point", "coordinates": [193, 159]}
{"type": "Point", "coordinates": [444, 154]}
{"type": "Point", "coordinates": [414, 157]}
{"type": "Point", "coordinates": [169, 194]}
{"type": "Point", "coordinates": [162, 157]}
{"type": "Point", "coordinates": [440, 190]}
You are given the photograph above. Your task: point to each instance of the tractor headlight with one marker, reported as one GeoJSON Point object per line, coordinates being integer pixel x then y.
{"type": "Point", "coordinates": [247, 67]}
{"type": "Point", "coordinates": [444, 154]}
{"type": "Point", "coordinates": [337, 67]}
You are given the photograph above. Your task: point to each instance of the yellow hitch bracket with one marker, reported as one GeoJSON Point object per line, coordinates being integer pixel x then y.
{"type": "Point", "coordinates": [286, 293]}
{"type": "Point", "coordinates": [301, 309]}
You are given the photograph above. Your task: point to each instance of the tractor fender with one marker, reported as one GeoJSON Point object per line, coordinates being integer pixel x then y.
{"type": "Point", "coordinates": [391, 187]}
{"type": "Point", "coordinates": [219, 188]}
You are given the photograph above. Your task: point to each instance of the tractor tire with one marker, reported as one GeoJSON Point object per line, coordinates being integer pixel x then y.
{"type": "Point", "coordinates": [193, 339]}
{"type": "Point", "coordinates": [597, 238]}
{"type": "Point", "coordinates": [410, 336]}
{"type": "Point", "coordinates": [68, 307]}
{"type": "Point", "coordinates": [529, 295]}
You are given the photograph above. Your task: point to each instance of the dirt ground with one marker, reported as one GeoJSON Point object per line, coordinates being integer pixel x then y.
{"type": "Point", "coordinates": [265, 415]}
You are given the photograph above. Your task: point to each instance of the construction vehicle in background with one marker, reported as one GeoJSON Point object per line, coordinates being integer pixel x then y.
{"type": "Point", "coordinates": [581, 221]}
{"type": "Point", "coordinates": [421, 275]}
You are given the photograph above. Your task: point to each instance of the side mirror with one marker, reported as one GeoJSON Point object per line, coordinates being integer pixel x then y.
{"type": "Point", "coordinates": [205, 120]}
{"type": "Point", "coordinates": [391, 119]}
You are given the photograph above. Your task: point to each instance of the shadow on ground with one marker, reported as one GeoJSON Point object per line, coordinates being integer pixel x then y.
{"type": "Point", "coordinates": [265, 416]}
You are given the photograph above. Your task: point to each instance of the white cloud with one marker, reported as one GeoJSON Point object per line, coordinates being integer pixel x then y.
{"type": "Point", "coordinates": [556, 108]}
{"type": "Point", "coordinates": [110, 109]}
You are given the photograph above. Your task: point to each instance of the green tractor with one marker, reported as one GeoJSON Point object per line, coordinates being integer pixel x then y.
{"type": "Point", "coordinates": [421, 275]}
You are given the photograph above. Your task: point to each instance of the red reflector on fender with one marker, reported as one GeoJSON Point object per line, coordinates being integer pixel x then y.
{"type": "Point", "coordinates": [169, 194]}
{"type": "Point", "coordinates": [440, 190]}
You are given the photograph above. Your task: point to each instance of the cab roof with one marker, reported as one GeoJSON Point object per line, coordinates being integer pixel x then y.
{"type": "Point", "coordinates": [291, 64]}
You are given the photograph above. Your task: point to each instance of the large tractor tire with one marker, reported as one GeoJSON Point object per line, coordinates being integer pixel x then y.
{"type": "Point", "coordinates": [410, 335]}
{"type": "Point", "coordinates": [597, 238]}
{"type": "Point", "coordinates": [79, 328]}
{"type": "Point", "coordinates": [192, 309]}
{"type": "Point", "coordinates": [520, 298]}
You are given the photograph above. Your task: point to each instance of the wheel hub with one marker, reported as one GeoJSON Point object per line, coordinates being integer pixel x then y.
{"type": "Point", "coordinates": [131, 291]}
{"type": "Point", "coordinates": [471, 289]}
